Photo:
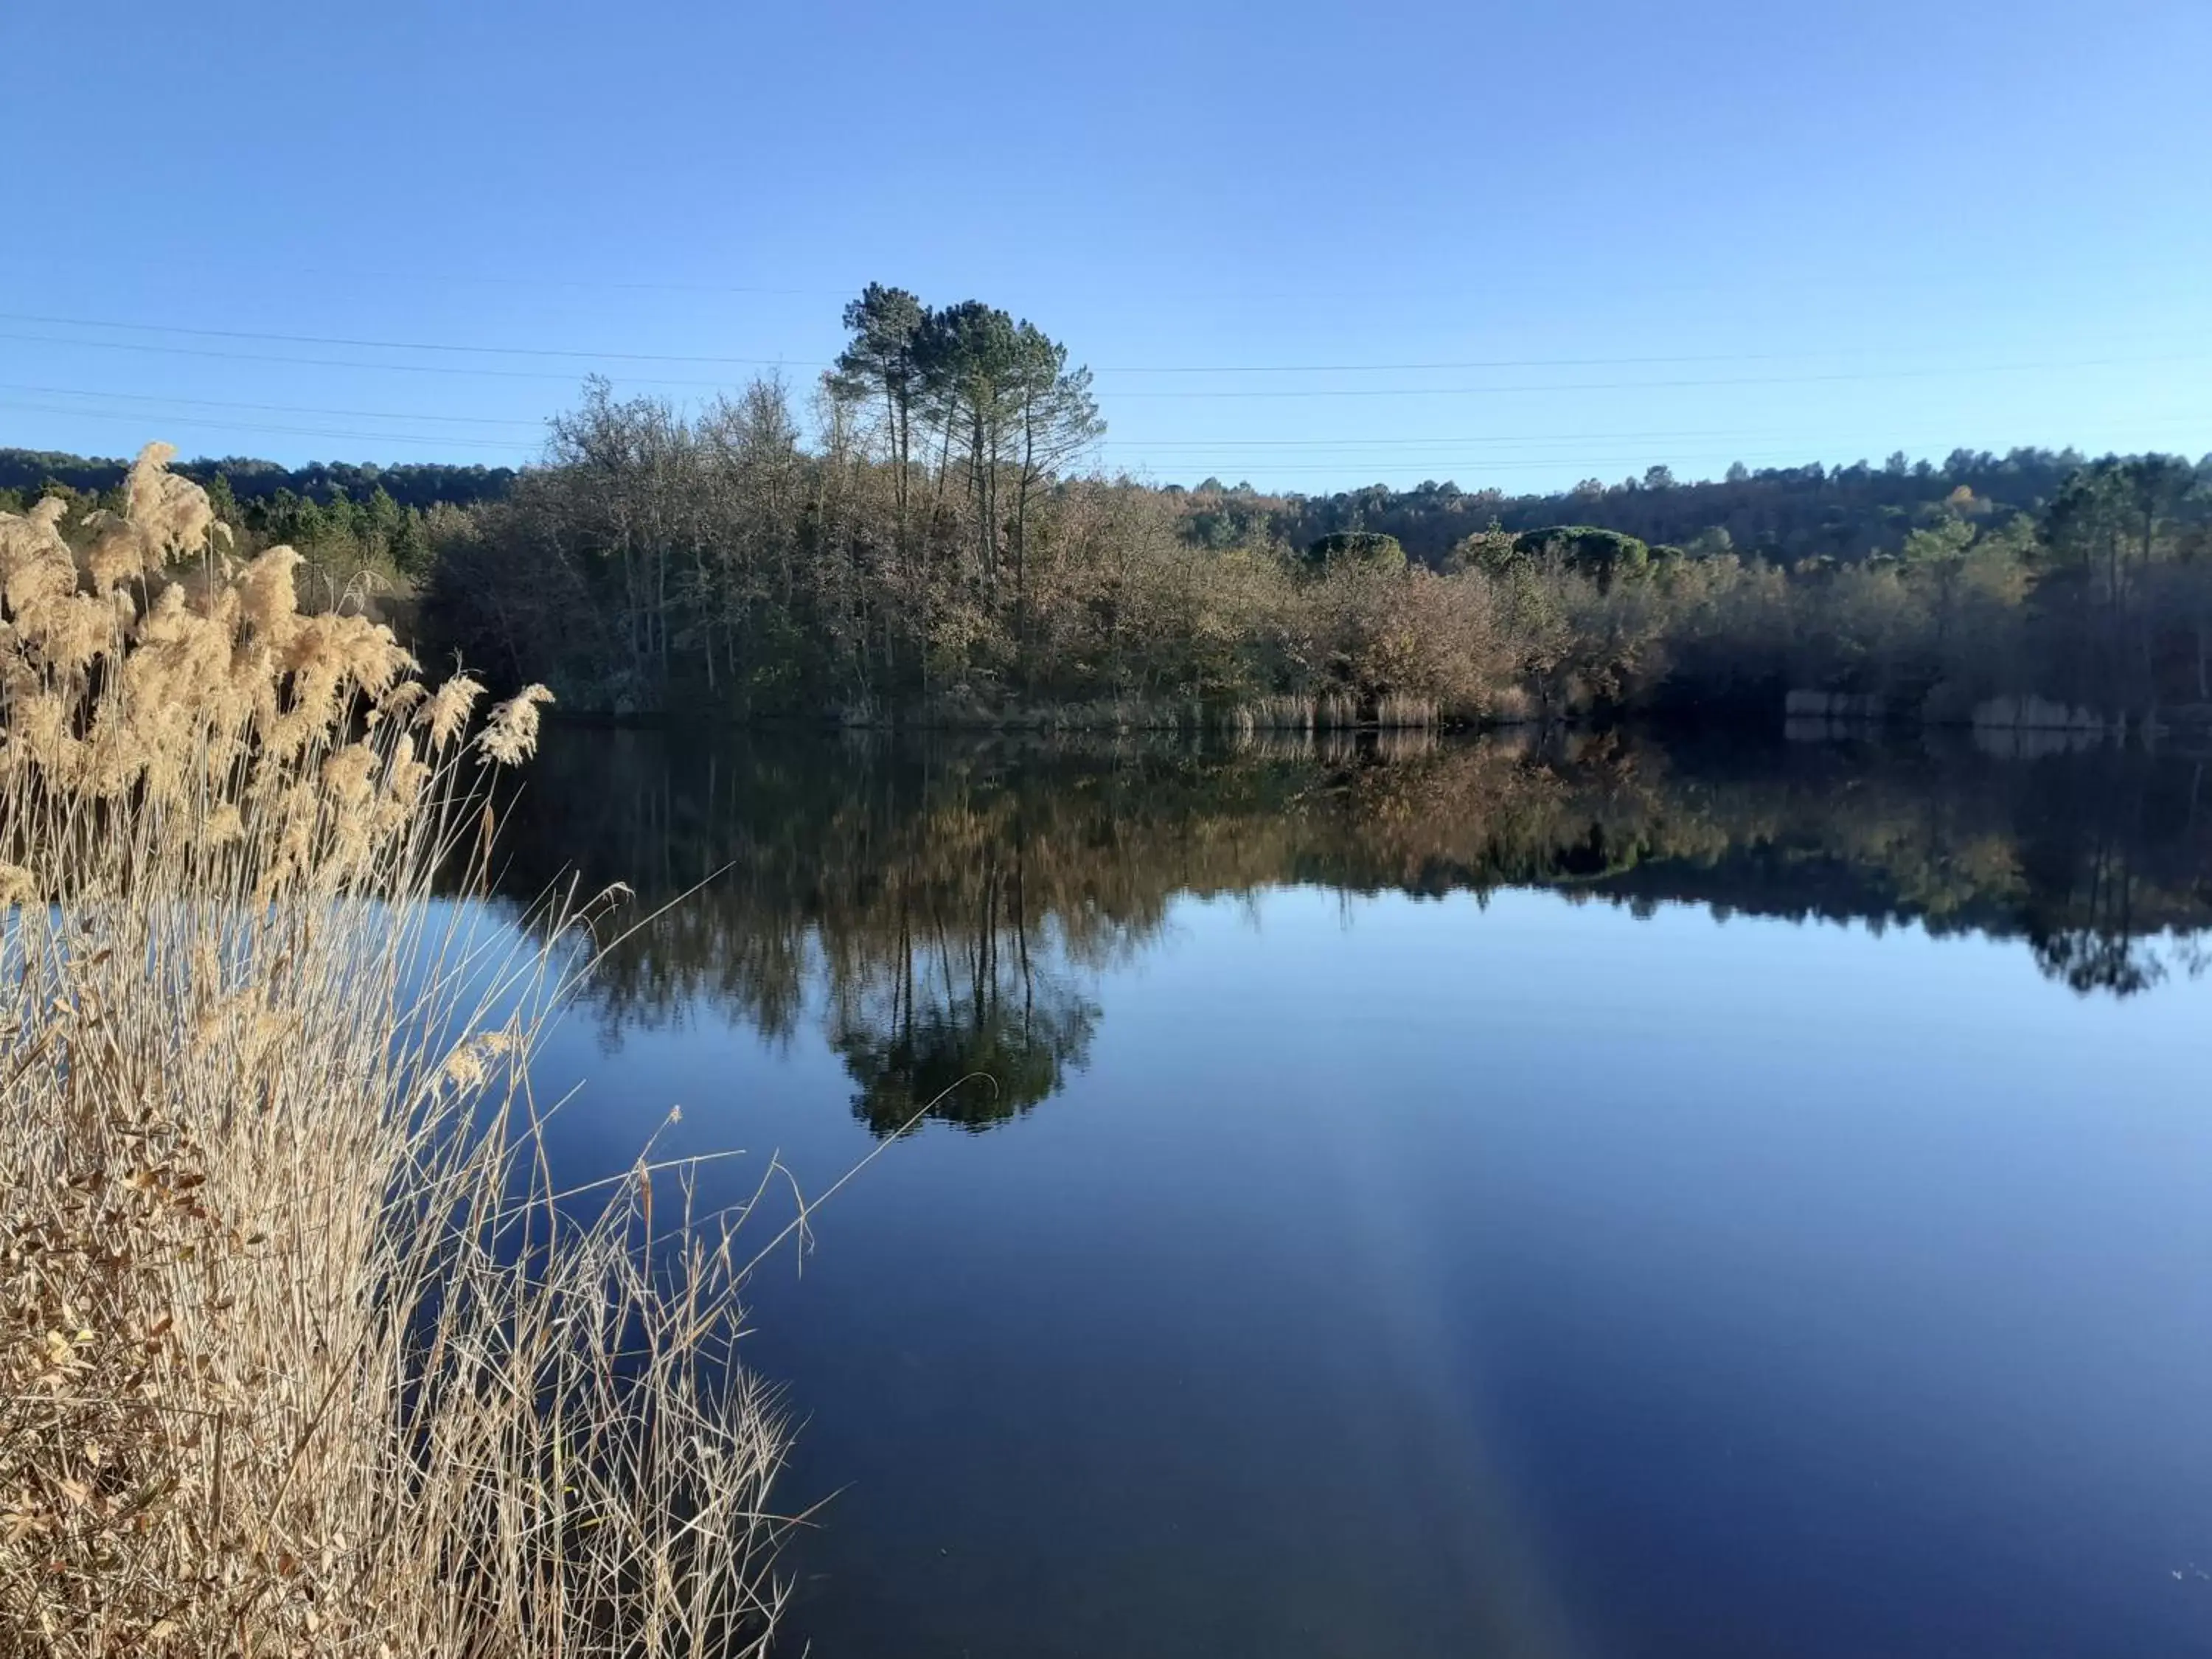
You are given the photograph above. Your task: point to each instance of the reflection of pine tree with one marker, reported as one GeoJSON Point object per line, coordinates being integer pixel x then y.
{"type": "Point", "coordinates": [962, 1069]}
{"type": "Point", "coordinates": [2093, 920]}
{"type": "Point", "coordinates": [2089, 960]}
{"type": "Point", "coordinates": [973, 1032]}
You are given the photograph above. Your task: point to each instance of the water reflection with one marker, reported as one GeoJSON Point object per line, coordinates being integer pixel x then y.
{"type": "Point", "coordinates": [941, 906]}
{"type": "Point", "coordinates": [968, 991]}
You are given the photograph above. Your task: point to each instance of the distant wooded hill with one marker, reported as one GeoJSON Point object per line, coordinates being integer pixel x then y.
{"type": "Point", "coordinates": [27, 472]}
{"type": "Point", "coordinates": [1786, 513]}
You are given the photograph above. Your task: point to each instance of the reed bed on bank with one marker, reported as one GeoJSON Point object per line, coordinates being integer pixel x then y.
{"type": "Point", "coordinates": [300, 1351]}
{"type": "Point", "coordinates": [1336, 711]}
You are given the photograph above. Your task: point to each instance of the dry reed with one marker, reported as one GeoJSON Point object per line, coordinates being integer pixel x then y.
{"type": "Point", "coordinates": [299, 1351]}
{"type": "Point", "coordinates": [1334, 710]}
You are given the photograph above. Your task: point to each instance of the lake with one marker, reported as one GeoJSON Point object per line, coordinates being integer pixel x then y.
{"type": "Point", "coordinates": [1413, 1197]}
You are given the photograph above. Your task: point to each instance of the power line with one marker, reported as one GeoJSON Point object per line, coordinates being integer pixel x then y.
{"type": "Point", "coordinates": [364, 343]}
{"type": "Point", "coordinates": [1422, 443]}
{"type": "Point", "coordinates": [1498, 363]}
{"type": "Point", "coordinates": [426, 275]}
{"type": "Point", "coordinates": [1399, 462]}
{"type": "Point", "coordinates": [1352, 391]}
{"type": "Point", "coordinates": [1853, 284]}
{"type": "Point", "coordinates": [1210, 444]}
{"type": "Point", "coordinates": [1353, 448]}
{"type": "Point", "coordinates": [327, 363]}
{"type": "Point", "coordinates": [277, 409]}
{"type": "Point", "coordinates": [1571, 459]}
{"type": "Point", "coordinates": [401, 345]}
{"type": "Point", "coordinates": [1579, 460]}
{"type": "Point", "coordinates": [1648, 385]}
{"type": "Point", "coordinates": [296, 431]}
{"type": "Point", "coordinates": [1576, 459]}
{"type": "Point", "coordinates": [781, 362]}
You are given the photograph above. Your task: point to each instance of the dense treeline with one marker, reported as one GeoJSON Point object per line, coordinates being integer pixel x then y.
{"type": "Point", "coordinates": [938, 906]}
{"type": "Point", "coordinates": [366, 532]}
{"type": "Point", "coordinates": [935, 548]}
{"type": "Point", "coordinates": [923, 555]}
{"type": "Point", "coordinates": [1784, 514]}
{"type": "Point", "coordinates": [418, 484]}
{"type": "Point", "coordinates": [924, 539]}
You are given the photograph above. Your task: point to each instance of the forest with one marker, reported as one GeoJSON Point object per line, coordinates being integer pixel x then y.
{"type": "Point", "coordinates": [923, 536]}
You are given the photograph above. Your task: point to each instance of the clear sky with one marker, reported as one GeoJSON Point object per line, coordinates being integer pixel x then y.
{"type": "Point", "coordinates": [1636, 233]}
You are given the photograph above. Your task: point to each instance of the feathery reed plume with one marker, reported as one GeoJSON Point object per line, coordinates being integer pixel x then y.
{"type": "Point", "coordinates": [510, 735]}
{"type": "Point", "coordinates": [298, 1352]}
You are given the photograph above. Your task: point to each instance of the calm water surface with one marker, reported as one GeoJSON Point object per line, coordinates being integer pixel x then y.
{"type": "Point", "coordinates": [1432, 1199]}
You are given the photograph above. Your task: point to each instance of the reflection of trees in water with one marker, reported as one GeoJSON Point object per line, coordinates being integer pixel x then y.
{"type": "Point", "coordinates": [941, 923]}
{"type": "Point", "coordinates": [2100, 862]}
{"type": "Point", "coordinates": [940, 908]}
{"type": "Point", "coordinates": [967, 1025]}
{"type": "Point", "coordinates": [2113, 869]}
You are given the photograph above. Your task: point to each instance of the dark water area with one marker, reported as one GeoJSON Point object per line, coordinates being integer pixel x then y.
{"type": "Point", "coordinates": [1417, 1198]}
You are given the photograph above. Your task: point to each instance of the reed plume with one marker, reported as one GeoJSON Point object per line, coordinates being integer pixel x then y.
{"type": "Point", "coordinates": [299, 1351]}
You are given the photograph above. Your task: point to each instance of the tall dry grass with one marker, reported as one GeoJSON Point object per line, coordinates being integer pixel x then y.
{"type": "Point", "coordinates": [1334, 711]}
{"type": "Point", "coordinates": [301, 1352]}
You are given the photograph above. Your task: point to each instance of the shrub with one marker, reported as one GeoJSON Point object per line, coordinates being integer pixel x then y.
{"type": "Point", "coordinates": [1366, 549]}
{"type": "Point", "coordinates": [1600, 555]}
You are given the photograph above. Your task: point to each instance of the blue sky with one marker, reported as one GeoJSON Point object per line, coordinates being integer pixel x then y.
{"type": "Point", "coordinates": [1681, 234]}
